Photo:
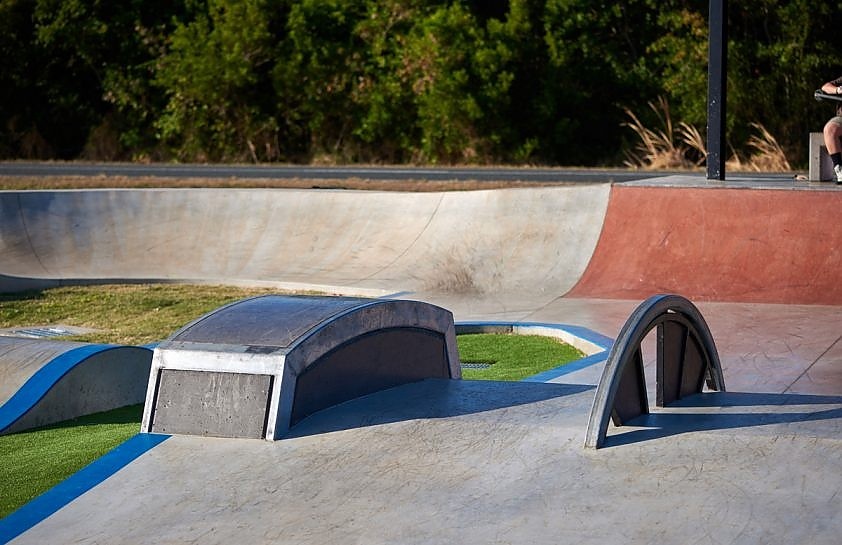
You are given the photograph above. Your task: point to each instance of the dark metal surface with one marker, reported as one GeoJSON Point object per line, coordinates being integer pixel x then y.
{"type": "Point", "coordinates": [212, 404]}
{"type": "Point", "coordinates": [682, 362]}
{"type": "Point", "coordinates": [717, 72]}
{"type": "Point", "coordinates": [821, 95]}
{"type": "Point", "coordinates": [370, 363]}
{"type": "Point", "coordinates": [267, 321]}
{"type": "Point", "coordinates": [631, 400]}
{"type": "Point", "coordinates": [686, 357]}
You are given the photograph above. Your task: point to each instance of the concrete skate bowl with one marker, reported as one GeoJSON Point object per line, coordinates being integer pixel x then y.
{"type": "Point", "coordinates": [626, 241]}
{"type": "Point", "coordinates": [356, 242]}
{"type": "Point", "coordinates": [44, 382]}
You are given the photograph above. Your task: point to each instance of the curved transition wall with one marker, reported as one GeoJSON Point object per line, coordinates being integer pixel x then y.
{"type": "Point", "coordinates": [719, 244]}
{"type": "Point", "coordinates": [460, 242]}
{"type": "Point", "coordinates": [710, 243]}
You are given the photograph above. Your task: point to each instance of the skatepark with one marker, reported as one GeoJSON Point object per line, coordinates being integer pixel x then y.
{"type": "Point", "coordinates": [440, 460]}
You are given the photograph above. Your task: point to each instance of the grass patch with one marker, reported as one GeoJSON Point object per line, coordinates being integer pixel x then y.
{"type": "Point", "coordinates": [512, 357]}
{"type": "Point", "coordinates": [132, 314]}
{"type": "Point", "coordinates": [34, 461]}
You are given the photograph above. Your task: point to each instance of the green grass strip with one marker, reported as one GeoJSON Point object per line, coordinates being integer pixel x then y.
{"type": "Point", "coordinates": [133, 314]}
{"type": "Point", "coordinates": [34, 461]}
{"type": "Point", "coordinates": [512, 357]}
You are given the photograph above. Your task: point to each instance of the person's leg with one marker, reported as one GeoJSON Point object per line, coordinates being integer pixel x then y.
{"type": "Point", "coordinates": [833, 143]}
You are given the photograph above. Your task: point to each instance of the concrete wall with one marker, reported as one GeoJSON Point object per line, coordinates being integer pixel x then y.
{"type": "Point", "coordinates": [457, 242]}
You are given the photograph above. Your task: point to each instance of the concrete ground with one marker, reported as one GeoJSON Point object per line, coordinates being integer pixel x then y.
{"type": "Point", "coordinates": [484, 462]}
{"type": "Point", "coordinates": [473, 462]}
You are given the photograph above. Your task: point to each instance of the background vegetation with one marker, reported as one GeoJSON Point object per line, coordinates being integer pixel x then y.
{"type": "Point", "coordinates": [424, 81]}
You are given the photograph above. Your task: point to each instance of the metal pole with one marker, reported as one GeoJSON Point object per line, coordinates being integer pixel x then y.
{"type": "Point", "coordinates": [717, 71]}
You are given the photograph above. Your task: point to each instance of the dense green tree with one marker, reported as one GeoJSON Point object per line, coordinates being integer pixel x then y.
{"type": "Point", "coordinates": [216, 76]}
{"type": "Point", "coordinates": [76, 75]}
{"type": "Point", "coordinates": [538, 81]}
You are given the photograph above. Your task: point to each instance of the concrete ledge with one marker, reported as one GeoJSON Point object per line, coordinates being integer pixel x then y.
{"type": "Point", "coordinates": [257, 367]}
{"type": "Point", "coordinates": [821, 167]}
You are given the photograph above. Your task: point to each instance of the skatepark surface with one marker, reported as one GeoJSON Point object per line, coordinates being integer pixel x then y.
{"type": "Point", "coordinates": [442, 461]}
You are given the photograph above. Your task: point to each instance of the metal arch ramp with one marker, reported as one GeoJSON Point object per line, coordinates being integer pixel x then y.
{"type": "Point", "coordinates": [257, 367]}
{"type": "Point", "coordinates": [686, 360]}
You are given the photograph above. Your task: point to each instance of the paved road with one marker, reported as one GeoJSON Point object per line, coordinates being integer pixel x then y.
{"type": "Point", "coordinates": [324, 173]}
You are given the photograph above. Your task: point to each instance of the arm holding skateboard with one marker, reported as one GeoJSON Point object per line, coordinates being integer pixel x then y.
{"type": "Point", "coordinates": [832, 90]}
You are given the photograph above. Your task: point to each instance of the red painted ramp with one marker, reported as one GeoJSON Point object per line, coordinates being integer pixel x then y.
{"type": "Point", "coordinates": [719, 244]}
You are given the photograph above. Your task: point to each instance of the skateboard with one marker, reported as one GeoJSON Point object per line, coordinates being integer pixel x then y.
{"type": "Point", "coordinates": [821, 95]}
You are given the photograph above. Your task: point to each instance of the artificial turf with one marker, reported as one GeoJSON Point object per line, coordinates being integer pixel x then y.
{"type": "Point", "coordinates": [36, 460]}
{"type": "Point", "coordinates": [512, 357]}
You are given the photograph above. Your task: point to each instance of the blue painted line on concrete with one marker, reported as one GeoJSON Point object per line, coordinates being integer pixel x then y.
{"type": "Point", "coordinates": [45, 378]}
{"type": "Point", "coordinates": [77, 484]}
{"type": "Point", "coordinates": [582, 332]}
{"type": "Point", "coordinates": [568, 368]}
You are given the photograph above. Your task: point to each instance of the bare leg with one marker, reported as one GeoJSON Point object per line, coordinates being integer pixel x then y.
{"type": "Point", "coordinates": [832, 136]}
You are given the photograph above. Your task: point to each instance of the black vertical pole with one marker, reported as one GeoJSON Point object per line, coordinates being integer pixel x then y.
{"type": "Point", "coordinates": [717, 70]}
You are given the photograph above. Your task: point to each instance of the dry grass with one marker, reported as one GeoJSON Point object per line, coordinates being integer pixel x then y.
{"type": "Point", "coordinates": [667, 148]}
{"type": "Point", "coordinates": [658, 148]}
{"type": "Point", "coordinates": [19, 183]}
{"type": "Point", "coordinates": [767, 156]}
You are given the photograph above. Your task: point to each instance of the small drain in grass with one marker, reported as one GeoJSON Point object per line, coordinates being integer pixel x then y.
{"type": "Point", "coordinates": [475, 365]}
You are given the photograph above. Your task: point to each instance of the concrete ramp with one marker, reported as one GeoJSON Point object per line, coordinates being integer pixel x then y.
{"type": "Point", "coordinates": [371, 243]}
{"type": "Point", "coordinates": [727, 244]}
{"type": "Point", "coordinates": [43, 382]}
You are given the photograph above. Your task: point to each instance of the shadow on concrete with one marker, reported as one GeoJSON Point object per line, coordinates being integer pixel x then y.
{"type": "Point", "coordinates": [433, 398]}
{"type": "Point", "coordinates": [760, 412]}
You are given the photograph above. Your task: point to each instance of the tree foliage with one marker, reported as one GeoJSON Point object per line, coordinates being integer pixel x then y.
{"type": "Point", "coordinates": [470, 81]}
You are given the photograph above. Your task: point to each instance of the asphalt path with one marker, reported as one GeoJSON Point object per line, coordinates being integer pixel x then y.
{"type": "Point", "coordinates": [561, 175]}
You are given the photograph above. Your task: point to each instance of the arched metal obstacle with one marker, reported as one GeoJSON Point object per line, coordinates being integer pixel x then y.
{"type": "Point", "coordinates": [686, 360]}
{"type": "Point", "coordinates": [258, 366]}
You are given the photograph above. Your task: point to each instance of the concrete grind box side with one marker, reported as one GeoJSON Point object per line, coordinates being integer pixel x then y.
{"type": "Point", "coordinates": [310, 353]}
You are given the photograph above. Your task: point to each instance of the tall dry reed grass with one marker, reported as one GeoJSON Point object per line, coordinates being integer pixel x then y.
{"type": "Point", "coordinates": [669, 148]}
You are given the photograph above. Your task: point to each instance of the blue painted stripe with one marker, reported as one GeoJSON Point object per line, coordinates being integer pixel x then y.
{"type": "Point", "coordinates": [34, 389]}
{"type": "Point", "coordinates": [77, 484]}
{"type": "Point", "coordinates": [579, 331]}
{"type": "Point", "coordinates": [568, 368]}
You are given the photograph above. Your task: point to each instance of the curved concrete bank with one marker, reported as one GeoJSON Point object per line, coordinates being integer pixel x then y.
{"type": "Point", "coordinates": [43, 382]}
{"type": "Point", "coordinates": [718, 244]}
{"type": "Point", "coordinates": [512, 240]}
